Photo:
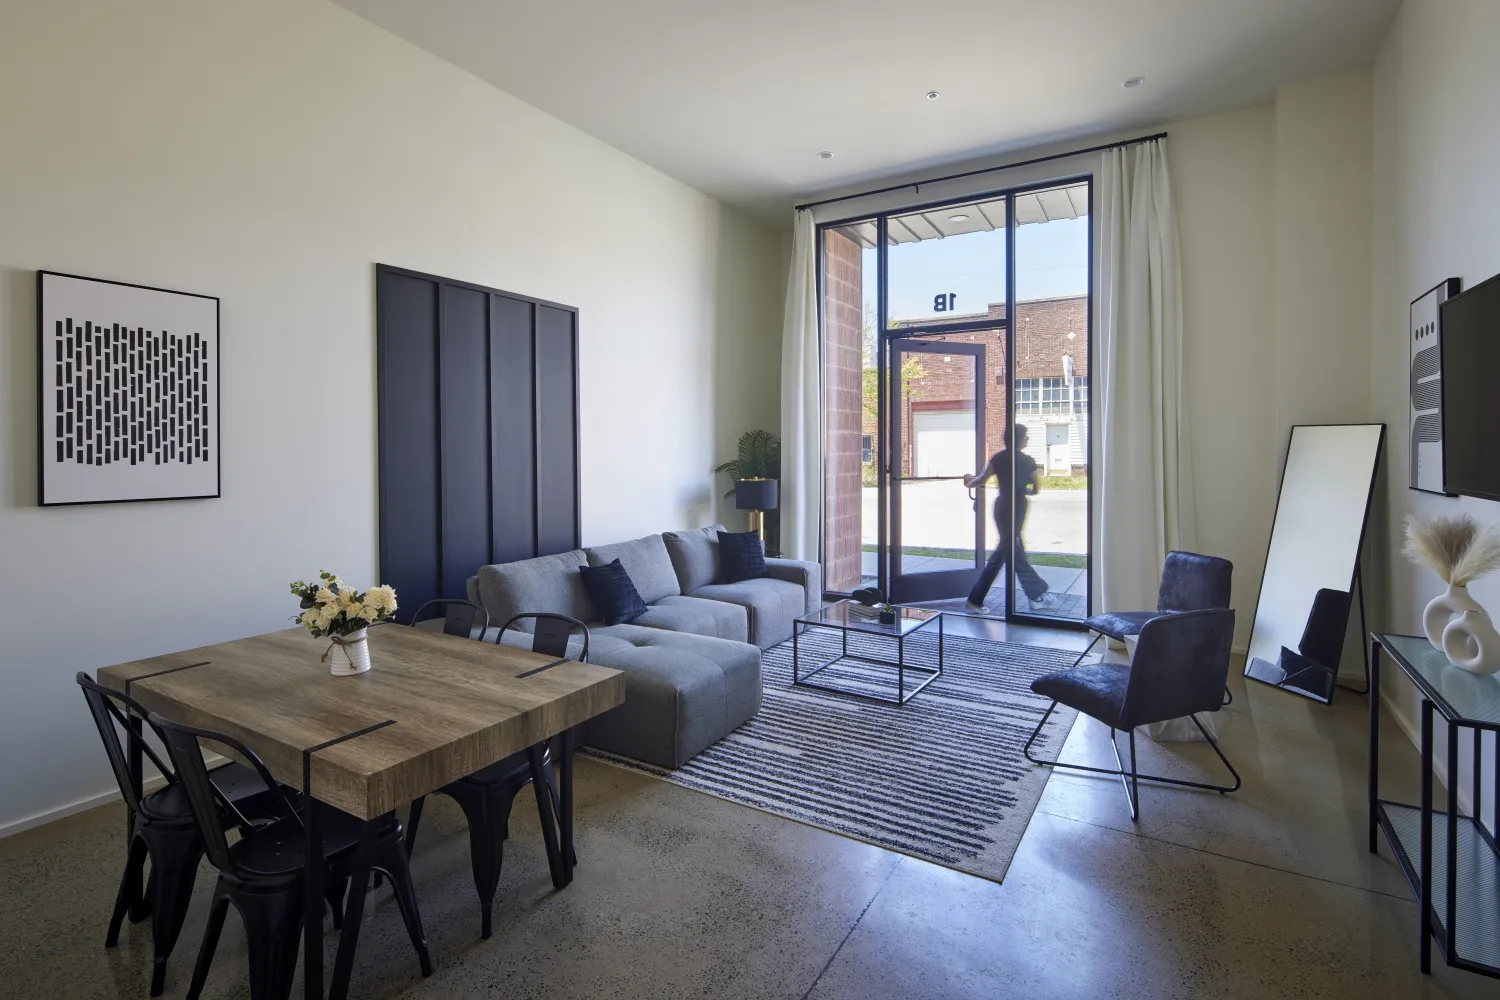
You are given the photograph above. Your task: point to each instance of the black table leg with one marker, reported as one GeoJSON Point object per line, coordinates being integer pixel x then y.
{"type": "Point", "coordinates": [1424, 867]}
{"type": "Point", "coordinates": [1374, 744]}
{"type": "Point", "coordinates": [354, 911]}
{"type": "Point", "coordinates": [565, 801]}
{"type": "Point", "coordinates": [312, 911]}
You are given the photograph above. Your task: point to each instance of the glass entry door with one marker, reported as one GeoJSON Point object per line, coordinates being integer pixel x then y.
{"type": "Point", "coordinates": [937, 438]}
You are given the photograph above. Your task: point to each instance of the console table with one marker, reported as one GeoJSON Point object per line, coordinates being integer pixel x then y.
{"type": "Point", "coordinates": [1460, 904]}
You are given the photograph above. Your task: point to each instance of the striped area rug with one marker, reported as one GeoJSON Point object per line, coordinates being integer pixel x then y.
{"type": "Point", "coordinates": [941, 778]}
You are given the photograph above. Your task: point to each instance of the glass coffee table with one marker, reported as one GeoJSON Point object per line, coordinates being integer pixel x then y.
{"type": "Point", "coordinates": [850, 616]}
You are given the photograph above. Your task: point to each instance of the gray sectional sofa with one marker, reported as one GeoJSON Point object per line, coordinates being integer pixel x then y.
{"type": "Point", "coordinates": [692, 661]}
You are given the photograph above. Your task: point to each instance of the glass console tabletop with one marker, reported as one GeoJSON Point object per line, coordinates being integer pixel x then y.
{"type": "Point", "coordinates": [1457, 693]}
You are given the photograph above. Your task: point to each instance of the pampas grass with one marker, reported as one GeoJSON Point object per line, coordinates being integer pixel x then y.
{"type": "Point", "coordinates": [1455, 548]}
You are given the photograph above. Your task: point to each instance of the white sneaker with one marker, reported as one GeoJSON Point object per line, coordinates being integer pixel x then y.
{"type": "Point", "coordinates": [976, 609]}
{"type": "Point", "coordinates": [1047, 602]}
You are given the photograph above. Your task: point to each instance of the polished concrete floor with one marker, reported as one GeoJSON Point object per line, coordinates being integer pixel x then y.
{"type": "Point", "coordinates": [1269, 892]}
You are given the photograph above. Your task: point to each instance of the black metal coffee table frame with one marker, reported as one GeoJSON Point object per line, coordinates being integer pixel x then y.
{"type": "Point", "coordinates": [874, 630]}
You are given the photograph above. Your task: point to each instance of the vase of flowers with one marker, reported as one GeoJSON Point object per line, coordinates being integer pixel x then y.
{"type": "Point", "coordinates": [1459, 553]}
{"type": "Point", "coordinates": [333, 610]}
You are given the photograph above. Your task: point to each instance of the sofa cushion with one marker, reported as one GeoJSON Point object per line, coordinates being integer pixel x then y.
{"type": "Point", "coordinates": [614, 595]}
{"type": "Point", "coordinates": [742, 556]}
{"type": "Point", "coordinates": [698, 616]}
{"type": "Point", "coordinates": [772, 604]}
{"type": "Point", "coordinates": [695, 556]}
{"type": "Point", "coordinates": [682, 693]}
{"type": "Point", "coordinates": [549, 583]}
{"type": "Point", "coordinates": [647, 562]}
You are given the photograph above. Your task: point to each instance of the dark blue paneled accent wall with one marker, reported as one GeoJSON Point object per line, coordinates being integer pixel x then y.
{"type": "Point", "coordinates": [478, 431]}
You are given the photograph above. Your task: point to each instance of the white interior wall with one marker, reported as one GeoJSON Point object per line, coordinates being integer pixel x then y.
{"type": "Point", "coordinates": [1436, 216]}
{"type": "Point", "coordinates": [271, 153]}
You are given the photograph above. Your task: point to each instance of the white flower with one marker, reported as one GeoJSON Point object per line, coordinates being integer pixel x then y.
{"type": "Point", "coordinates": [383, 597]}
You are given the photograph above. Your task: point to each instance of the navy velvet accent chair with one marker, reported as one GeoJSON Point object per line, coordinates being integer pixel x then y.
{"type": "Point", "coordinates": [1189, 582]}
{"type": "Point", "coordinates": [1180, 667]}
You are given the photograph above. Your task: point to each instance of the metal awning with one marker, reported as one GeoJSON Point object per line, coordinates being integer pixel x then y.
{"type": "Point", "coordinates": [1070, 202]}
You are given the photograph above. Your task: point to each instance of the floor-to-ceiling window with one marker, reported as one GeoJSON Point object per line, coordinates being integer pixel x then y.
{"type": "Point", "coordinates": [944, 326]}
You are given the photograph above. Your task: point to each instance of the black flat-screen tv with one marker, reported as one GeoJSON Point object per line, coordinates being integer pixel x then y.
{"type": "Point", "coordinates": [1471, 391]}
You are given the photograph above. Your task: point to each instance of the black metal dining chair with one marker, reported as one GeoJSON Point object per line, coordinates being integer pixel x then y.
{"type": "Point", "coordinates": [1180, 666]}
{"type": "Point", "coordinates": [460, 616]}
{"type": "Point", "coordinates": [487, 796]}
{"type": "Point", "coordinates": [262, 873]}
{"type": "Point", "coordinates": [160, 825]}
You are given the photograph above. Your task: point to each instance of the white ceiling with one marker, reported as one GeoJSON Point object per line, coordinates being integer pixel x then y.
{"type": "Point", "coordinates": [737, 98]}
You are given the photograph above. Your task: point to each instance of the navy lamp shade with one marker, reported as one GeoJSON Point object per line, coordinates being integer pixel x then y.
{"type": "Point", "coordinates": [755, 496]}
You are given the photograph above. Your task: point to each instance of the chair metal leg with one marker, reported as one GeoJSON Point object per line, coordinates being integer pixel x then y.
{"type": "Point", "coordinates": [130, 889]}
{"type": "Point", "coordinates": [175, 853]}
{"type": "Point", "coordinates": [1132, 788]}
{"type": "Point", "coordinates": [273, 934]}
{"type": "Point", "coordinates": [217, 910]}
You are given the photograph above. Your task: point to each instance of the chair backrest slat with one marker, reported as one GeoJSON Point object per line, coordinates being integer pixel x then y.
{"type": "Point", "coordinates": [552, 633]}
{"type": "Point", "coordinates": [460, 617]}
{"type": "Point", "coordinates": [1180, 667]}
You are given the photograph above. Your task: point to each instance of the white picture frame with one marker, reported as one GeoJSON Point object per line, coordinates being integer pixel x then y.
{"type": "Point", "coordinates": [128, 392]}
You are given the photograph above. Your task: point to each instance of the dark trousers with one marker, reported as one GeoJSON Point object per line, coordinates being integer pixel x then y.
{"type": "Point", "coordinates": [1031, 580]}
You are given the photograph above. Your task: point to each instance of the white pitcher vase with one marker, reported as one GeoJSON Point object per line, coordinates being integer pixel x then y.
{"type": "Point", "coordinates": [349, 654]}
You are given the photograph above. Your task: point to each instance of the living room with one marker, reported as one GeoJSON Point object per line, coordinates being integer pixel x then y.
{"type": "Point", "coordinates": [1211, 226]}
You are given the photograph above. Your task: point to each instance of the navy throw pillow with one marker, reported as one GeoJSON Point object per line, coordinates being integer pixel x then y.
{"type": "Point", "coordinates": [614, 596]}
{"type": "Point", "coordinates": [742, 556]}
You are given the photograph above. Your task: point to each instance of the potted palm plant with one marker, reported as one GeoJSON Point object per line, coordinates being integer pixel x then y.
{"type": "Point", "coordinates": [758, 457]}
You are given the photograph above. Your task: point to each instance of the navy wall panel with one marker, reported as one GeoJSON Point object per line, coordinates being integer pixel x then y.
{"type": "Point", "coordinates": [408, 393]}
{"type": "Point", "coordinates": [513, 399]}
{"type": "Point", "coordinates": [465, 425]}
{"type": "Point", "coordinates": [557, 433]}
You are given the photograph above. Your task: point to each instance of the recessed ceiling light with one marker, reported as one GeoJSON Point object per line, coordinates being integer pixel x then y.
{"type": "Point", "coordinates": [958, 218]}
{"type": "Point", "coordinates": [1133, 82]}
{"type": "Point", "coordinates": [825, 154]}
{"type": "Point", "coordinates": [933, 95]}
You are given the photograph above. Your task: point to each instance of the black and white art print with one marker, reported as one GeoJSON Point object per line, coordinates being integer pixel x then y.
{"type": "Point", "coordinates": [1426, 392]}
{"type": "Point", "coordinates": [128, 392]}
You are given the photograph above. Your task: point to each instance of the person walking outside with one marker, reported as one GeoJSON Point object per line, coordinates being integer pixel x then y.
{"type": "Point", "coordinates": [1016, 478]}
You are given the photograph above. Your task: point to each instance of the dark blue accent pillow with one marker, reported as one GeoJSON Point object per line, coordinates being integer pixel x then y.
{"type": "Point", "coordinates": [614, 596]}
{"type": "Point", "coordinates": [742, 556]}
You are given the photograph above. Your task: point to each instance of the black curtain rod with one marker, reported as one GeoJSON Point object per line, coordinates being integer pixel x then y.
{"type": "Point", "coordinates": [917, 185]}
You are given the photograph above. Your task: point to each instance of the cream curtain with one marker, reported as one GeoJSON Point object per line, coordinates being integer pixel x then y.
{"type": "Point", "coordinates": [801, 401]}
{"type": "Point", "coordinates": [1143, 469]}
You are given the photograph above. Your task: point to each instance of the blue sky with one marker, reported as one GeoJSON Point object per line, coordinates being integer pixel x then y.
{"type": "Point", "coordinates": [1051, 259]}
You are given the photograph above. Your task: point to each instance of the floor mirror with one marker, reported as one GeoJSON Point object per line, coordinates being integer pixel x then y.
{"type": "Point", "coordinates": [1309, 587]}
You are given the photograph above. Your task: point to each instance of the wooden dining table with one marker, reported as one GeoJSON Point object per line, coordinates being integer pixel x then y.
{"type": "Point", "coordinates": [433, 709]}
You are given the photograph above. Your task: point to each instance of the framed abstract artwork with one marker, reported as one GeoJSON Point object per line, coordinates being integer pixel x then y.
{"type": "Point", "coordinates": [128, 392]}
{"type": "Point", "coordinates": [1425, 381]}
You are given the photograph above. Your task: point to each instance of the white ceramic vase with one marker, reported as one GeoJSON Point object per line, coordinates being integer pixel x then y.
{"type": "Point", "coordinates": [1460, 628]}
{"type": "Point", "coordinates": [350, 654]}
{"type": "Point", "coordinates": [1471, 643]}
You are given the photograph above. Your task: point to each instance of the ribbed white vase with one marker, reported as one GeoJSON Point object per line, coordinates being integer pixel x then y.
{"type": "Point", "coordinates": [350, 654]}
